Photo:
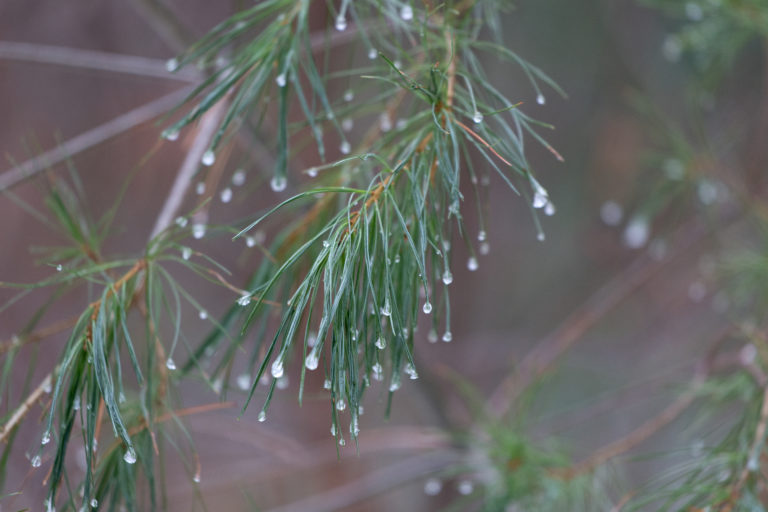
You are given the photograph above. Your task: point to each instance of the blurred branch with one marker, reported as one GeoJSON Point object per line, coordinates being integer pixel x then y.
{"type": "Point", "coordinates": [23, 409]}
{"type": "Point", "coordinates": [89, 59]}
{"type": "Point", "coordinates": [166, 24]}
{"type": "Point", "coordinates": [91, 138]}
{"type": "Point", "coordinates": [375, 482]}
{"type": "Point", "coordinates": [39, 334]}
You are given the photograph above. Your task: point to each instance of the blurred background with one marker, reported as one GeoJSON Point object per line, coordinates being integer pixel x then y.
{"type": "Point", "coordinates": [656, 156]}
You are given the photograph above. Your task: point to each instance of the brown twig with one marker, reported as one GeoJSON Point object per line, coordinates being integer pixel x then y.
{"type": "Point", "coordinates": [23, 409]}
{"type": "Point", "coordinates": [39, 335]}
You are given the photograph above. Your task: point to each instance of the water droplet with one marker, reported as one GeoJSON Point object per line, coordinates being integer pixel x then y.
{"type": "Point", "coordinates": [277, 369]}
{"type": "Point", "coordinates": [354, 426]}
{"type": "Point", "coordinates": [200, 188]}
{"type": "Point", "coordinates": [36, 461]}
{"type": "Point", "coordinates": [76, 403]}
{"type": "Point", "coordinates": [636, 233]}
{"type": "Point", "coordinates": [46, 438]}
{"type": "Point", "coordinates": [59, 268]}
{"type": "Point", "coordinates": [282, 382]}
{"type": "Point", "coordinates": [327, 384]}
{"type": "Point", "coordinates": [278, 183]}
{"type": "Point", "coordinates": [372, 53]}
{"type": "Point", "coordinates": [347, 124]}
{"type": "Point", "coordinates": [477, 117]}
{"type": "Point", "coordinates": [411, 371]}
{"type": "Point", "coordinates": [611, 213]}
{"type": "Point", "coordinates": [312, 339]}
{"type": "Point", "coordinates": [378, 371]}
{"type": "Point", "coordinates": [432, 487]}
{"type": "Point", "coordinates": [481, 235]}
{"type": "Point", "coordinates": [406, 12]}
{"type": "Point", "coordinates": [385, 122]}
{"type": "Point", "coordinates": [333, 429]}
{"type": "Point", "coordinates": [262, 417]}
{"type": "Point", "coordinates": [673, 169]}
{"type": "Point", "coordinates": [238, 178]}
{"type": "Point", "coordinates": [209, 157]}
{"type": "Point", "coordinates": [341, 23]}
{"type": "Point", "coordinates": [345, 148]}
{"type": "Point", "coordinates": [94, 503]}
{"type": "Point", "coordinates": [226, 195]}
{"type": "Point", "coordinates": [342, 442]}
{"type": "Point", "coordinates": [397, 64]}
{"type": "Point", "coordinates": [432, 336]}
{"type": "Point", "coordinates": [186, 252]}
{"type": "Point", "coordinates": [427, 309]}
{"type": "Point", "coordinates": [447, 277]}
{"type": "Point", "coordinates": [395, 384]}
{"type": "Point", "coordinates": [485, 248]}
{"type": "Point", "coordinates": [540, 99]}
{"type": "Point", "coordinates": [549, 209]}
{"type": "Point", "coordinates": [198, 230]}
{"type": "Point", "coordinates": [170, 364]}
{"type": "Point", "coordinates": [244, 382]}
{"type": "Point", "coordinates": [472, 264]}
{"type": "Point", "coordinates": [196, 477]}
{"type": "Point", "coordinates": [281, 80]}
{"type": "Point", "coordinates": [381, 343]}
{"type": "Point", "coordinates": [172, 65]}
{"type": "Point", "coordinates": [386, 310]}
{"type": "Point", "coordinates": [121, 397]}
{"type": "Point", "coordinates": [203, 314]}
{"type": "Point", "coordinates": [47, 386]}
{"type": "Point", "coordinates": [465, 487]}
{"type": "Point", "coordinates": [244, 300]}
{"type": "Point", "coordinates": [341, 404]}
{"type": "Point", "coordinates": [130, 456]}
{"type": "Point", "coordinates": [349, 95]}
{"type": "Point", "coordinates": [540, 236]}
{"type": "Point", "coordinates": [312, 361]}
{"type": "Point", "coordinates": [540, 199]}
{"type": "Point", "coordinates": [170, 134]}
{"type": "Point", "coordinates": [448, 337]}
{"type": "Point", "coordinates": [707, 192]}
{"type": "Point", "coordinates": [181, 222]}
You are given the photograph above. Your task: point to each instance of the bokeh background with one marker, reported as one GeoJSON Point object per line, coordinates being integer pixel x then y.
{"type": "Point", "coordinates": [662, 304]}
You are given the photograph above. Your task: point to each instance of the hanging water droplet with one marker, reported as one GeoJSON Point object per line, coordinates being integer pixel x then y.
{"type": "Point", "coordinates": [244, 300]}
{"type": "Point", "coordinates": [406, 12]}
{"type": "Point", "coordinates": [477, 117]}
{"type": "Point", "coordinates": [244, 382]}
{"type": "Point", "coordinates": [342, 442]}
{"type": "Point", "coordinates": [432, 336]}
{"type": "Point", "coordinates": [481, 235]}
{"type": "Point", "coordinates": [411, 371]}
{"type": "Point", "coordinates": [385, 122]}
{"type": "Point", "coordinates": [277, 369]}
{"type": "Point", "coordinates": [170, 134]}
{"type": "Point", "coordinates": [386, 310]}
{"type": "Point", "coordinates": [186, 252]}
{"type": "Point", "coordinates": [46, 438]}
{"type": "Point", "coordinates": [278, 183]}
{"type": "Point", "coordinates": [372, 53]}
{"type": "Point", "coordinates": [94, 503]}
{"type": "Point", "coordinates": [354, 426]}
{"type": "Point", "coordinates": [447, 277]}
{"type": "Point", "coordinates": [349, 95]}
{"type": "Point", "coordinates": [447, 337]}
{"type": "Point", "coordinates": [346, 124]}
{"type": "Point", "coordinates": [540, 200]}
{"type": "Point", "coordinates": [312, 339]}
{"type": "Point", "coordinates": [196, 477]}
{"type": "Point", "coordinates": [198, 230]}
{"type": "Point", "coordinates": [378, 371]}
{"type": "Point", "coordinates": [121, 397]}
{"type": "Point", "coordinates": [262, 417]}
{"type": "Point", "coordinates": [76, 403]}
{"type": "Point", "coordinates": [326, 244]}
{"type": "Point", "coordinates": [170, 364]}
{"type": "Point", "coordinates": [472, 264]}
{"type": "Point", "coordinates": [381, 343]}
{"type": "Point", "coordinates": [36, 461]}
{"type": "Point", "coordinates": [312, 361]}
{"type": "Point", "coordinates": [226, 195]}
{"type": "Point", "coordinates": [549, 209]}
{"type": "Point", "coordinates": [200, 188]}
{"type": "Point", "coordinates": [341, 404]}
{"type": "Point", "coordinates": [282, 382]}
{"type": "Point", "coordinates": [218, 385]}
{"type": "Point", "coordinates": [636, 233]}
{"type": "Point", "coordinates": [172, 65]}
{"type": "Point", "coordinates": [485, 248]}
{"type": "Point", "coordinates": [281, 80]}
{"type": "Point", "coordinates": [238, 178]}
{"type": "Point", "coordinates": [47, 388]}
{"type": "Point", "coordinates": [432, 487]}
{"type": "Point", "coordinates": [345, 148]}
{"type": "Point", "coordinates": [327, 384]}
{"type": "Point", "coordinates": [341, 23]}
{"type": "Point", "coordinates": [540, 236]}
{"type": "Point", "coordinates": [333, 429]}
{"type": "Point", "coordinates": [397, 64]}
{"type": "Point", "coordinates": [59, 268]}
{"type": "Point", "coordinates": [130, 456]}
{"type": "Point", "coordinates": [540, 99]}
{"type": "Point", "coordinates": [611, 213]}
{"type": "Point", "coordinates": [427, 309]}
{"type": "Point", "coordinates": [465, 487]}
{"type": "Point", "coordinates": [181, 222]}
{"type": "Point", "coordinates": [203, 314]}
{"type": "Point", "coordinates": [395, 384]}
{"type": "Point", "coordinates": [209, 157]}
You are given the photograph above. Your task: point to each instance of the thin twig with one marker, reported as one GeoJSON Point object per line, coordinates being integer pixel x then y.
{"type": "Point", "coordinates": [23, 409]}
{"type": "Point", "coordinates": [91, 138]}
{"type": "Point", "coordinates": [39, 334]}
{"type": "Point", "coordinates": [208, 126]}
{"type": "Point", "coordinates": [90, 59]}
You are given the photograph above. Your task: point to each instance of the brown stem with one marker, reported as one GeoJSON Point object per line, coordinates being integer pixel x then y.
{"type": "Point", "coordinates": [23, 409]}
